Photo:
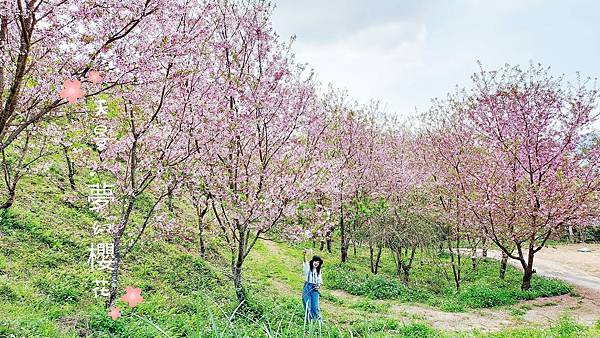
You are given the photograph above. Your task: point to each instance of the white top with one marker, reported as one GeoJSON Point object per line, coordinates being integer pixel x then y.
{"type": "Point", "coordinates": [311, 276]}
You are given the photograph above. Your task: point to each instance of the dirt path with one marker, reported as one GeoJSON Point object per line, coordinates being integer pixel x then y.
{"type": "Point", "coordinates": [581, 269]}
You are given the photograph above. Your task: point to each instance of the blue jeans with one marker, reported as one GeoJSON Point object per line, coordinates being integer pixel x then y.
{"type": "Point", "coordinates": [310, 299]}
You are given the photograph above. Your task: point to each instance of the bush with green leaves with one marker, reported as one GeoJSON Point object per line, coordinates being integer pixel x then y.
{"type": "Point", "coordinates": [481, 289]}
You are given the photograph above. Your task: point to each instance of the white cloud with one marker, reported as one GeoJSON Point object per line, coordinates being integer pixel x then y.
{"type": "Point", "coordinates": [368, 62]}
{"type": "Point", "coordinates": [406, 52]}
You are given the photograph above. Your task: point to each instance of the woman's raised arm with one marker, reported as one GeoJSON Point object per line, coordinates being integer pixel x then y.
{"type": "Point", "coordinates": [305, 266]}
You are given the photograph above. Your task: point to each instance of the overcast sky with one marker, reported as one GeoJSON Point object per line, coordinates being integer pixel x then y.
{"type": "Point", "coordinates": [404, 53]}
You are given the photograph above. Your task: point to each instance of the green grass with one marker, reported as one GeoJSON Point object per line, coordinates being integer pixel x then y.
{"type": "Point", "coordinates": [370, 306]}
{"type": "Point", "coordinates": [519, 312]}
{"type": "Point", "coordinates": [566, 327]}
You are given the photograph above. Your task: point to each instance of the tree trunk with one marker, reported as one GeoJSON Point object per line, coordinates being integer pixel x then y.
{"type": "Point", "coordinates": [484, 248]}
{"type": "Point", "coordinates": [240, 292]}
{"type": "Point", "coordinates": [406, 271]}
{"type": "Point", "coordinates": [371, 258]}
{"type": "Point", "coordinates": [407, 266]}
{"type": "Point", "coordinates": [455, 261]}
{"type": "Point", "coordinates": [380, 248]}
{"type": "Point", "coordinates": [344, 251]}
{"type": "Point", "coordinates": [9, 200]}
{"type": "Point", "coordinates": [200, 212]}
{"type": "Point", "coordinates": [375, 259]}
{"type": "Point", "coordinates": [353, 241]}
{"type": "Point", "coordinates": [527, 274]}
{"type": "Point", "coordinates": [11, 187]}
{"type": "Point", "coordinates": [114, 276]}
{"type": "Point", "coordinates": [70, 167]}
{"type": "Point", "coordinates": [503, 265]}
{"type": "Point", "coordinates": [343, 237]}
{"type": "Point", "coordinates": [528, 267]}
{"type": "Point", "coordinates": [202, 245]}
{"type": "Point", "coordinates": [398, 255]}
{"type": "Point", "coordinates": [237, 261]}
{"type": "Point", "coordinates": [170, 200]}
{"type": "Point", "coordinates": [571, 238]}
{"type": "Point", "coordinates": [326, 241]}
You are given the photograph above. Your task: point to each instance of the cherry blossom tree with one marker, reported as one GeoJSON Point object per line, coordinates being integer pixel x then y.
{"type": "Point", "coordinates": [151, 134]}
{"type": "Point", "coordinates": [263, 131]}
{"type": "Point", "coordinates": [45, 43]}
{"type": "Point", "coordinates": [367, 156]}
{"type": "Point", "coordinates": [198, 194]}
{"type": "Point", "coordinates": [349, 142]}
{"type": "Point", "coordinates": [26, 157]}
{"type": "Point", "coordinates": [406, 226]}
{"type": "Point", "coordinates": [396, 177]}
{"type": "Point", "coordinates": [371, 231]}
{"type": "Point", "coordinates": [446, 151]}
{"type": "Point", "coordinates": [536, 167]}
{"type": "Point", "coordinates": [313, 220]}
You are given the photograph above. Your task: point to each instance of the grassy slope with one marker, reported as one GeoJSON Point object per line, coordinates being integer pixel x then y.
{"type": "Point", "coordinates": [45, 285]}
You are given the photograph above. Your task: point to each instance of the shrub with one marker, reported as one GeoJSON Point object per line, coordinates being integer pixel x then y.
{"type": "Point", "coordinates": [7, 293]}
{"type": "Point", "coordinates": [478, 296]}
{"type": "Point", "coordinates": [342, 277]}
{"type": "Point", "coordinates": [417, 330]}
{"type": "Point", "coordinates": [547, 287]}
{"type": "Point", "coordinates": [379, 287]}
{"type": "Point", "coordinates": [60, 289]}
{"type": "Point", "coordinates": [452, 305]}
{"type": "Point", "coordinates": [367, 327]}
{"type": "Point", "coordinates": [370, 306]}
{"type": "Point", "coordinates": [518, 312]}
{"type": "Point", "coordinates": [567, 327]}
{"type": "Point", "coordinates": [592, 234]}
{"type": "Point", "coordinates": [331, 297]}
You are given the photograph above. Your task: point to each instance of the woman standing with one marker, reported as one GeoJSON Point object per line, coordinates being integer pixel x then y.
{"type": "Point", "coordinates": [312, 284]}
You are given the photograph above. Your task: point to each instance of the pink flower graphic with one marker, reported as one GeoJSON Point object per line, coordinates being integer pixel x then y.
{"type": "Point", "coordinates": [71, 91]}
{"type": "Point", "coordinates": [114, 313]}
{"type": "Point", "coordinates": [94, 76]}
{"type": "Point", "coordinates": [132, 296]}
